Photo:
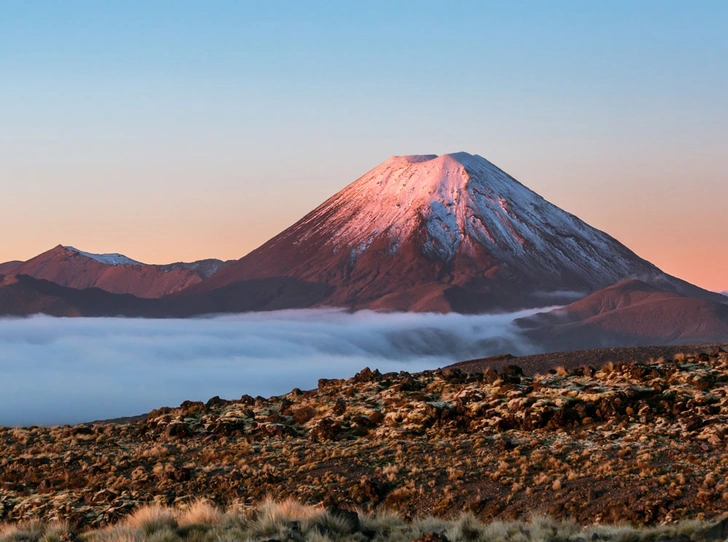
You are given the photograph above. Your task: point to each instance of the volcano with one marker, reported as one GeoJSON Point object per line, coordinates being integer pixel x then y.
{"type": "Point", "coordinates": [443, 233]}
{"type": "Point", "coordinates": [450, 233]}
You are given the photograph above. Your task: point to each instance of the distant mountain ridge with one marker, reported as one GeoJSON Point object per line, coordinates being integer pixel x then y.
{"type": "Point", "coordinates": [8, 267]}
{"type": "Point", "coordinates": [449, 233]}
{"type": "Point", "coordinates": [107, 259]}
{"type": "Point", "coordinates": [114, 273]}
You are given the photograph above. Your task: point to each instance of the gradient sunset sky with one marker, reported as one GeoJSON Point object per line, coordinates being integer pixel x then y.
{"type": "Point", "coordinates": [178, 130]}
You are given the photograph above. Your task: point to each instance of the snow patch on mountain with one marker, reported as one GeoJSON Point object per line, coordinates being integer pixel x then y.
{"type": "Point", "coordinates": [107, 259]}
{"type": "Point", "coordinates": [463, 202]}
{"type": "Point", "coordinates": [205, 268]}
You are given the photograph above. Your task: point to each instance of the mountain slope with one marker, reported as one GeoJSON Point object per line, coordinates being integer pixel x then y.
{"type": "Point", "coordinates": [631, 313]}
{"type": "Point", "coordinates": [447, 233]}
{"type": "Point", "coordinates": [22, 295]}
{"type": "Point", "coordinates": [7, 267]}
{"type": "Point", "coordinates": [114, 273]}
{"type": "Point", "coordinates": [417, 233]}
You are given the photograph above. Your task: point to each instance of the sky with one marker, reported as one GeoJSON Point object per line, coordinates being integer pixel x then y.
{"type": "Point", "coordinates": [179, 130]}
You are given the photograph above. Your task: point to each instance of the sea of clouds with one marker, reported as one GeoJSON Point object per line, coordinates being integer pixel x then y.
{"type": "Point", "coordinates": [70, 370]}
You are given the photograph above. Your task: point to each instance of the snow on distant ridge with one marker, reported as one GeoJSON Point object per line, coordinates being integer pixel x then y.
{"type": "Point", "coordinates": [205, 268]}
{"type": "Point", "coordinates": [107, 259]}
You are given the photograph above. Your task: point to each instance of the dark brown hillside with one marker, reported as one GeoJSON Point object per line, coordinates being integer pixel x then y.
{"type": "Point", "coordinates": [68, 267]}
{"type": "Point", "coordinates": [22, 295]}
{"type": "Point", "coordinates": [631, 313]}
{"type": "Point", "coordinates": [7, 267]}
{"type": "Point", "coordinates": [452, 233]}
{"type": "Point", "coordinates": [577, 359]}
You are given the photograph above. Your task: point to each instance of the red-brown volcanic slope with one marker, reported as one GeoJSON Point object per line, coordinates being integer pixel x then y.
{"type": "Point", "coordinates": [7, 267]}
{"type": "Point", "coordinates": [448, 233]}
{"type": "Point", "coordinates": [629, 313]}
{"type": "Point", "coordinates": [18, 299]}
{"type": "Point", "coordinates": [68, 267]}
{"type": "Point", "coordinates": [21, 295]}
{"type": "Point", "coordinates": [417, 233]}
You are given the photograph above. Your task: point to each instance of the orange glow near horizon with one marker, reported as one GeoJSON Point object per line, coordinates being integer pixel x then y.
{"type": "Point", "coordinates": [699, 263]}
{"type": "Point", "coordinates": [204, 130]}
{"type": "Point", "coordinates": [680, 228]}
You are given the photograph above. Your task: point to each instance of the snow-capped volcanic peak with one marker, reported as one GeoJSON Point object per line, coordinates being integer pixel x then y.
{"type": "Point", "coordinates": [388, 198]}
{"type": "Point", "coordinates": [436, 233]}
{"type": "Point", "coordinates": [464, 202]}
{"type": "Point", "coordinates": [107, 259]}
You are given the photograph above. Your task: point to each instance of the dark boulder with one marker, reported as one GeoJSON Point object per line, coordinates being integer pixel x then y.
{"type": "Point", "coordinates": [326, 429]}
{"type": "Point", "coordinates": [177, 430]}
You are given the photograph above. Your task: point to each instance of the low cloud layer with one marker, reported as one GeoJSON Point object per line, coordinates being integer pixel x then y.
{"type": "Point", "coordinates": [69, 370]}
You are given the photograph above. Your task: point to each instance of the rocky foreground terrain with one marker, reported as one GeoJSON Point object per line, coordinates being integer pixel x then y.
{"type": "Point", "coordinates": [643, 442]}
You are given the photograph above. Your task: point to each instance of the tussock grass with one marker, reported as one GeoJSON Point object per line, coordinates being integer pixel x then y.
{"type": "Point", "coordinates": [120, 533]}
{"type": "Point", "coordinates": [289, 520]}
{"type": "Point", "coordinates": [151, 519]}
{"type": "Point", "coordinates": [32, 531]}
{"type": "Point", "coordinates": [20, 532]}
{"type": "Point", "coordinates": [200, 512]}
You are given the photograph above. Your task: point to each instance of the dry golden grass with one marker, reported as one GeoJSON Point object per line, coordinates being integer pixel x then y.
{"type": "Point", "coordinates": [150, 519]}
{"type": "Point", "coordinates": [200, 512]}
{"type": "Point", "coordinates": [290, 520]}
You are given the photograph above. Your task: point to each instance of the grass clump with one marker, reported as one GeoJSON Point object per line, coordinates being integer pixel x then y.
{"type": "Point", "coordinates": [290, 520]}
{"type": "Point", "coordinates": [152, 519]}
{"type": "Point", "coordinates": [200, 512]}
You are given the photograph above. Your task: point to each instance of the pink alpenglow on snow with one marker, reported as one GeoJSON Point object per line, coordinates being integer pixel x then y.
{"type": "Point", "coordinates": [441, 233]}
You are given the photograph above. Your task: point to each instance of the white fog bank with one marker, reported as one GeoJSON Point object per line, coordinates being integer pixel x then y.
{"type": "Point", "coordinates": [70, 370]}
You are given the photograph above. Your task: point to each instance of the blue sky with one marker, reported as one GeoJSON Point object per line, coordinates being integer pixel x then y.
{"type": "Point", "coordinates": [181, 130]}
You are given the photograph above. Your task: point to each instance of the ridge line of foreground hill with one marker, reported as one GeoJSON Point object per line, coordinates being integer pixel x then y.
{"type": "Point", "coordinates": [643, 442]}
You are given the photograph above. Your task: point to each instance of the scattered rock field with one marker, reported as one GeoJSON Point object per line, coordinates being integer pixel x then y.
{"type": "Point", "coordinates": [643, 442]}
